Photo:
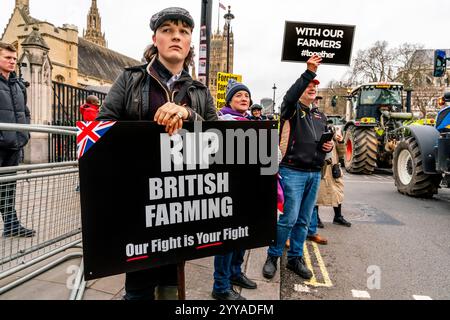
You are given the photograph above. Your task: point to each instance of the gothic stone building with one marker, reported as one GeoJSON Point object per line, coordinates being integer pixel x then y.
{"type": "Point", "coordinates": [77, 61]}
{"type": "Point", "coordinates": [218, 57]}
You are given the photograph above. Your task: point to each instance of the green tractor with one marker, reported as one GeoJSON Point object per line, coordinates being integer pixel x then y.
{"type": "Point", "coordinates": [374, 116]}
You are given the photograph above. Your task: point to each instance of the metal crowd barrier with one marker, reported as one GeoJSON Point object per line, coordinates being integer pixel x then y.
{"type": "Point", "coordinates": [43, 198]}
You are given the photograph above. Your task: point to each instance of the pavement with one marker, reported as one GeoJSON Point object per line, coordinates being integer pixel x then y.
{"type": "Point", "coordinates": [55, 284]}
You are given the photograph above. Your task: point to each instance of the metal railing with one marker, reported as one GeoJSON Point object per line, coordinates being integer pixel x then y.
{"type": "Point", "coordinates": [40, 209]}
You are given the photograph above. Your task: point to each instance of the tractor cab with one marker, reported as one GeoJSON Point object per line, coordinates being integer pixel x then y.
{"type": "Point", "coordinates": [370, 100]}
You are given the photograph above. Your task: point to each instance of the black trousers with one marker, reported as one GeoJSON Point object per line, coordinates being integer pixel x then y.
{"type": "Point", "coordinates": [9, 158]}
{"type": "Point", "coordinates": [140, 285]}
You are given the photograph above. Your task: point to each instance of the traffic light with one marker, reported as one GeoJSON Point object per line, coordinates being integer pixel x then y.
{"type": "Point", "coordinates": [334, 101]}
{"type": "Point", "coordinates": [447, 97]}
{"type": "Point", "coordinates": [440, 63]}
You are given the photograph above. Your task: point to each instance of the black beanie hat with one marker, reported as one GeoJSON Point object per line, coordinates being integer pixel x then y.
{"type": "Point", "coordinates": [234, 87]}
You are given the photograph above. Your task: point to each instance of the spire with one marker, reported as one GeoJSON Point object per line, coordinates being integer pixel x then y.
{"type": "Point", "coordinates": [23, 5]}
{"type": "Point", "coordinates": [93, 31]}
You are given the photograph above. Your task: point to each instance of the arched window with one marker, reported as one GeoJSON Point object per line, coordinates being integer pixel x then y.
{"type": "Point", "coordinates": [60, 78]}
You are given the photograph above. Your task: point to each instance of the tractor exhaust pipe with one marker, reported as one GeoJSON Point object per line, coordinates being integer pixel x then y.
{"type": "Point", "coordinates": [399, 115]}
{"type": "Point", "coordinates": [408, 99]}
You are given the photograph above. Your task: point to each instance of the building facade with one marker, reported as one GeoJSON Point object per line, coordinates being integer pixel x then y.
{"type": "Point", "coordinates": [77, 61]}
{"type": "Point", "coordinates": [218, 57]}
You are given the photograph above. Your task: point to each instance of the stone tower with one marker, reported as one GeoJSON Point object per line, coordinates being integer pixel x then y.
{"type": "Point", "coordinates": [93, 32]}
{"type": "Point", "coordinates": [24, 5]}
{"type": "Point", "coordinates": [36, 69]}
{"type": "Point", "coordinates": [218, 60]}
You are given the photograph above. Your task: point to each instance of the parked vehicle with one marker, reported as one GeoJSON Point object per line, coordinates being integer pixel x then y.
{"type": "Point", "coordinates": [422, 159]}
{"type": "Point", "coordinates": [371, 132]}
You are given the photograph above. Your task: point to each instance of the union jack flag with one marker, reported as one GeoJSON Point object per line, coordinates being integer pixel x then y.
{"type": "Point", "coordinates": [89, 133]}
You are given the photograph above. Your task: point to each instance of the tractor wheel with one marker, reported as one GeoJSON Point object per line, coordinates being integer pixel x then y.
{"type": "Point", "coordinates": [408, 171]}
{"type": "Point", "coordinates": [361, 151]}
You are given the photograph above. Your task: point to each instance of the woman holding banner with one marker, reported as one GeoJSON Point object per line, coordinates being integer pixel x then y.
{"type": "Point", "coordinates": [164, 92]}
{"type": "Point", "coordinates": [227, 268]}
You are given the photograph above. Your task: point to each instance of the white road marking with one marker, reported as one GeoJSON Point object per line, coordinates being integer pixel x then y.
{"type": "Point", "coordinates": [360, 294]}
{"type": "Point", "coordinates": [421, 297]}
{"type": "Point", "coordinates": [301, 288]}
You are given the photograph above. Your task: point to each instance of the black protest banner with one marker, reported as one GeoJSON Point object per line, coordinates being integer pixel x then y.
{"type": "Point", "coordinates": [331, 42]}
{"type": "Point", "coordinates": [148, 199]}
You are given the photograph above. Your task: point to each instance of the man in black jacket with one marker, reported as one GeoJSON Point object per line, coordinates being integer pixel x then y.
{"type": "Point", "coordinates": [302, 126]}
{"type": "Point", "coordinates": [160, 91]}
{"type": "Point", "coordinates": [13, 109]}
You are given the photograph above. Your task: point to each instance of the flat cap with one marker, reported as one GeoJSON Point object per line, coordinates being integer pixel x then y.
{"type": "Point", "coordinates": [172, 13]}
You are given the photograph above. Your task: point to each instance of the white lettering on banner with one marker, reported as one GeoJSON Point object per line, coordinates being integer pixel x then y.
{"type": "Point", "coordinates": [308, 32]}
{"type": "Point", "coordinates": [136, 249]}
{"type": "Point", "coordinates": [187, 151]}
{"type": "Point", "coordinates": [188, 211]}
{"type": "Point", "coordinates": [202, 184]}
{"type": "Point", "coordinates": [234, 234]}
{"type": "Point", "coordinates": [185, 241]}
{"type": "Point", "coordinates": [329, 44]}
{"type": "Point", "coordinates": [205, 238]}
{"type": "Point", "coordinates": [191, 149]}
{"type": "Point", "coordinates": [333, 33]}
{"type": "Point", "coordinates": [166, 245]}
{"type": "Point", "coordinates": [314, 32]}
{"type": "Point", "coordinates": [322, 54]}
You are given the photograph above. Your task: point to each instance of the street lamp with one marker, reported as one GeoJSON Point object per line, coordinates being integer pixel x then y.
{"type": "Point", "coordinates": [228, 17]}
{"type": "Point", "coordinates": [274, 90]}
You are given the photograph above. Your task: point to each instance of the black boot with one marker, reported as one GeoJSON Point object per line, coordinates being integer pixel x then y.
{"type": "Point", "coordinates": [270, 267]}
{"type": "Point", "coordinates": [342, 222]}
{"type": "Point", "coordinates": [319, 222]}
{"type": "Point", "coordinates": [243, 282]}
{"type": "Point", "coordinates": [12, 227]}
{"type": "Point", "coordinates": [227, 295]}
{"type": "Point", "coordinates": [18, 231]}
{"type": "Point", "coordinates": [338, 218]}
{"type": "Point", "coordinates": [298, 266]}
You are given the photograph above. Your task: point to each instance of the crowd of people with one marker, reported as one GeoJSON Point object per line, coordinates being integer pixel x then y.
{"type": "Point", "coordinates": [309, 174]}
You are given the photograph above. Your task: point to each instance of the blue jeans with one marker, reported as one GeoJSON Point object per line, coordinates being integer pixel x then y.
{"type": "Point", "coordinates": [300, 195]}
{"type": "Point", "coordinates": [312, 230]}
{"type": "Point", "coordinates": [226, 267]}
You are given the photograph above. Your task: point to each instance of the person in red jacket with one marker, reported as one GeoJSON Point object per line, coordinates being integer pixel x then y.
{"type": "Point", "coordinates": [90, 109]}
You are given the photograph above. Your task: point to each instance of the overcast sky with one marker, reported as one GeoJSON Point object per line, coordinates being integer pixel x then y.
{"type": "Point", "coordinates": [259, 28]}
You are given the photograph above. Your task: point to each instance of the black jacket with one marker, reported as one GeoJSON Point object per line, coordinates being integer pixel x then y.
{"type": "Point", "coordinates": [130, 95]}
{"type": "Point", "coordinates": [13, 109]}
{"type": "Point", "coordinates": [301, 129]}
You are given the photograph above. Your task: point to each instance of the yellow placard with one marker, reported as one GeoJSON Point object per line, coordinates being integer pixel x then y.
{"type": "Point", "coordinates": [222, 82]}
